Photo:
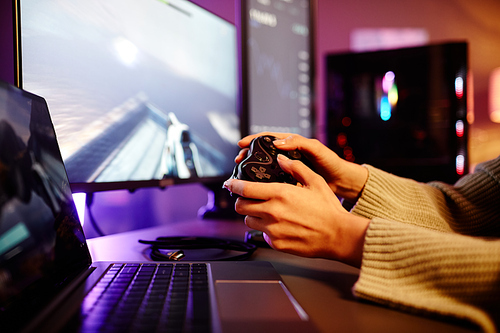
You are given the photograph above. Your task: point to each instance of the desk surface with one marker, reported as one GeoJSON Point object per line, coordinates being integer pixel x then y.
{"type": "Point", "coordinates": [322, 287]}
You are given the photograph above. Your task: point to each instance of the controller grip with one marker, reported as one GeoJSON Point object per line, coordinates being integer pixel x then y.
{"type": "Point", "coordinates": [261, 164]}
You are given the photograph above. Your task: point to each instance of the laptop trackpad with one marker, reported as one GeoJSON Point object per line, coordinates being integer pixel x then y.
{"type": "Point", "coordinates": [257, 301]}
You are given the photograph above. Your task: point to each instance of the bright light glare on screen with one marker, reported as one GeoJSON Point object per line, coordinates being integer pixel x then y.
{"type": "Point", "coordinates": [79, 199]}
{"type": "Point", "coordinates": [127, 51]}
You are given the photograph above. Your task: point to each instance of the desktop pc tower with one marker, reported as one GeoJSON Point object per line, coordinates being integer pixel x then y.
{"type": "Point", "coordinates": [401, 110]}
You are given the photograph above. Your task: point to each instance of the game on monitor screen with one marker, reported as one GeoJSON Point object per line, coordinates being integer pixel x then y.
{"type": "Point", "coordinates": [278, 65]}
{"type": "Point", "coordinates": [141, 92]}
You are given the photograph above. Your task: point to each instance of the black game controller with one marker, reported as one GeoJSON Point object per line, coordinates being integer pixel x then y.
{"type": "Point", "coordinates": [261, 164]}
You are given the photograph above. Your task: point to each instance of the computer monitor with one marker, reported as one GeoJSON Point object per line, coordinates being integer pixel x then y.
{"type": "Point", "coordinates": [277, 42]}
{"type": "Point", "coordinates": [402, 110]}
{"type": "Point", "coordinates": [142, 93]}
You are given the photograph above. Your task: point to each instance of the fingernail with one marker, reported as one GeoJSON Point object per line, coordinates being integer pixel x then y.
{"type": "Point", "coordinates": [227, 184]}
{"type": "Point", "coordinates": [283, 157]}
{"type": "Point", "coordinates": [279, 142]}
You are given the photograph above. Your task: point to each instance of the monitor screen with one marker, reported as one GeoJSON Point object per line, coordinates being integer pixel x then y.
{"type": "Point", "coordinates": [141, 92]}
{"type": "Point", "coordinates": [278, 65]}
{"type": "Point", "coordinates": [402, 110]}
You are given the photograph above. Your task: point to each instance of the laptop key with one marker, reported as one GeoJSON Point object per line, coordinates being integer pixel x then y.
{"type": "Point", "coordinates": [148, 298]}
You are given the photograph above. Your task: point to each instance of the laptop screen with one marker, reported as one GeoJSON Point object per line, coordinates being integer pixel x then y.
{"type": "Point", "coordinates": [41, 240]}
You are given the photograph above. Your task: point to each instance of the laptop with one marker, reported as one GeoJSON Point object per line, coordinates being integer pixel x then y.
{"type": "Point", "coordinates": [48, 282]}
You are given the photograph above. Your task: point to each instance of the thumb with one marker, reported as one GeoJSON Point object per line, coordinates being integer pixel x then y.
{"type": "Point", "coordinates": [297, 170]}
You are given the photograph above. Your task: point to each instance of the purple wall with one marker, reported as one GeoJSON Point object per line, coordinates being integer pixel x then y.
{"type": "Point", "coordinates": [6, 42]}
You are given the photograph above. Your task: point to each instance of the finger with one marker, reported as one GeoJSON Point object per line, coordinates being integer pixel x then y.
{"type": "Point", "coordinates": [254, 222]}
{"type": "Point", "coordinates": [241, 155]}
{"type": "Point", "coordinates": [253, 190]}
{"type": "Point", "coordinates": [298, 170]}
{"type": "Point", "coordinates": [245, 142]}
{"type": "Point", "coordinates": [325, 161]}
{"type": "Point", "coordinates": [253, 210]}
{"type": "Point", "coordinates": [308, 146]}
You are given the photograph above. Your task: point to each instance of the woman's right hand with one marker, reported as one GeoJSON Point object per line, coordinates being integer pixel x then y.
{"type": "Point", "coordinates": [344, 178]}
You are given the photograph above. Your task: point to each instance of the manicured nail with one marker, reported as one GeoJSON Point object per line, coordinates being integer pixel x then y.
{"type": "Point", "coordinates": [283, 157]}
{"type": "Point", "coordinates": [279, 142]}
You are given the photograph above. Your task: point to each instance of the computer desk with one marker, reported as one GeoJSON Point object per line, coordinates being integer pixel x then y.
{"type": "Point", "coordinates": [322, 287]}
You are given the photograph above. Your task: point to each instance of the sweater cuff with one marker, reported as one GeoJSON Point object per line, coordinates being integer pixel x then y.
{"type": "Point", "coordinates": [426, 271]}
{"type": "Point", "coordinates": [400, 199]}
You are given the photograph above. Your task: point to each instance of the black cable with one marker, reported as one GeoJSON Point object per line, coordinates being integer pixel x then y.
{"type": "Point", "coordinates": [89, 199]}
{"type": "Point", "coordinates": [195, 243]}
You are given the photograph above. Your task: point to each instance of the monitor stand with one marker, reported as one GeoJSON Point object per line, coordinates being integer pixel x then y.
{"type": "Point", "coordinates": [220, 204]}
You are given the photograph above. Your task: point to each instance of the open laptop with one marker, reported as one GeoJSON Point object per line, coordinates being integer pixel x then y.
{"type": "Point", "coordinates": [47, 276]}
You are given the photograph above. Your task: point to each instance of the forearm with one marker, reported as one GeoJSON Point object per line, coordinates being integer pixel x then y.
{"type": "Point", "coordinates": [351, 181]}
{"type": "Point", "coordinates": [350, 240]}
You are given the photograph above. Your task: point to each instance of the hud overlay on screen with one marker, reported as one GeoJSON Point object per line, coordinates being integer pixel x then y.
{"type": "Point", "coordinates": [279, 73]}
{"type": "Point", "coordinates": [137, 89]}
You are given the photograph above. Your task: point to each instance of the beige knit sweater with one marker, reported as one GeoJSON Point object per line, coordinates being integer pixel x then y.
{"type": "Point", "coordinates": [434, 248]}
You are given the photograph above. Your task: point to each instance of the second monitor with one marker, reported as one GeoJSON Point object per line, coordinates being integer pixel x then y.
{"type": "Point", "coordinates": [278, 66]}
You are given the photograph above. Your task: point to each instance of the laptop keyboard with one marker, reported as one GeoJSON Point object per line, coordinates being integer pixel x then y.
{"type": "Point", "coordinates": [149, 298]}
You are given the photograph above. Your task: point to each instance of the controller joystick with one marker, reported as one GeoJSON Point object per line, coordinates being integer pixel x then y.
{"type": "Point", "coordinates": [261, 164]}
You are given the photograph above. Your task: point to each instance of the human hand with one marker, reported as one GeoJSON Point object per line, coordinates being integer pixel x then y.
{"type": "Point", "coordinates": [344, 178]}
{"type": "Point", "coordinates": [305, 220]}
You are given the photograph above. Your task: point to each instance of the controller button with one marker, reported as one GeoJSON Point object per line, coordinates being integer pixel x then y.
{"type": "Point", "coordinates": [260, 173]}
{"type": "Point", "coordinates": [261, 156]}
{"type": "Point", "coordinates": [295, 154]}
{"type": "Point", "coordinates": [285, 178]}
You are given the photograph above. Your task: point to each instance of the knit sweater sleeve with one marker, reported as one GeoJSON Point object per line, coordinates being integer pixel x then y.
{"type": "Point", "coordinates": [470, 207]}
{"type": "Point", "coordinates": [422, 250]}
